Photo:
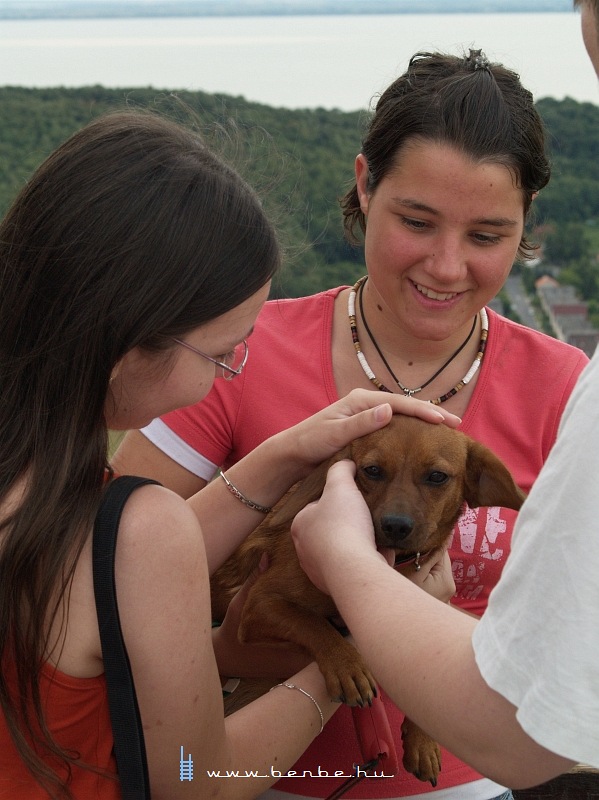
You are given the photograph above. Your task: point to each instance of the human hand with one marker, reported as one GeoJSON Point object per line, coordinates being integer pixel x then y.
{"type": "Point", "coordinates": [360, 412]}
{"type": "Point", "coordinates": [434, 576]}
{"type": "Point", "coordinates": [338, 523]}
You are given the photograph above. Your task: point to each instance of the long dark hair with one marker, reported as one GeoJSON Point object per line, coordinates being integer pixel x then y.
{"type": "Point", "coordinates": [478, 107]}
{"type": "Point", "coordinates": [130, 233]}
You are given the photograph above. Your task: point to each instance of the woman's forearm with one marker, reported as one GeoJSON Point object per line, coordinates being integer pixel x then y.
{"type": "Point", "coordinates": [262, 477]}
{"type": "Point", "coordinates": [267, 721]}
{"type": "Point", "coordinates": [421, 653]}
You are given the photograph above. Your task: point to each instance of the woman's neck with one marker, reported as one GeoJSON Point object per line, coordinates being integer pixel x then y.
{"type": "Point", "coordinates": [429, 369]}
{"type": "Point", "coordinates": [398, 342]}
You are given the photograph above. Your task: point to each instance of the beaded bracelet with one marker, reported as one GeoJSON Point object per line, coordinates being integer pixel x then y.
{"type": "Point", "coordinates": [303, 691]}
{"type": "Point", "coordinates": [249, 503]}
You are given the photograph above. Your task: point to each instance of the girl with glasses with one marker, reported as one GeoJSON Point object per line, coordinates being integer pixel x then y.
{"type": "Point", "coordinates": [131, 239]}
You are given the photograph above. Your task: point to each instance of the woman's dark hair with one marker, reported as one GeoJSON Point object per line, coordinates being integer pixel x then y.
{"type": "Point", "coordinates": [478, 107]}
{"type": "Point", "coordinates": [130, 233]}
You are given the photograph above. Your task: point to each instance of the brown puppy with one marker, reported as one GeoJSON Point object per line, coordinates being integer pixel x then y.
{"type": "Point", "coordinates": [415, 478]}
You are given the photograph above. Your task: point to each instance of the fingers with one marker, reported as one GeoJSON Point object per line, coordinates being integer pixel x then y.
{"type": "Point", "coordinates": [357, 414]}
{"type": "Point", "coordinates": [435, 577]}
{"type": "Point", "coordinates": [339, 482]}
{"type": "Point", "coordinates": [343, 470]}
{"type": "Point", "coordinates": [367, 409]}
{"type": "Point", "coordinates": [361, 423]}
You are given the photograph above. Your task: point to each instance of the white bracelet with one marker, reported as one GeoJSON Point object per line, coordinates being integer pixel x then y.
{"type": "Point", "coordinates": [303, 691]}
{"type": "Point", "coordinates": [246, 502]}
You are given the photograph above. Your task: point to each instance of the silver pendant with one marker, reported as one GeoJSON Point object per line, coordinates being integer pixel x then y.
{"type": "Point", "coordinates": [409, 392]}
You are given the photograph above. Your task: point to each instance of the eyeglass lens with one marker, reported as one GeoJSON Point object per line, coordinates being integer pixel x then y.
{"type": "Point", "coordinates": [234, 359]}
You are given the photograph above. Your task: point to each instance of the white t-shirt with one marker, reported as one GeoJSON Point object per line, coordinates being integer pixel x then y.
{"type": "Point", "coordinates": [538, 642]}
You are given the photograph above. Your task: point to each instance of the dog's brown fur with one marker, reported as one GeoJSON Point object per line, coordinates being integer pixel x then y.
{"type": "Point", "coordinates": [415, 478]}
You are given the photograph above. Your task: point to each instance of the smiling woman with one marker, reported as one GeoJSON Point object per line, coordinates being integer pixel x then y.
{"type": "Point", "coordinates": [442, 233]}
{"type": "Point", "coordinates": [449, 166]}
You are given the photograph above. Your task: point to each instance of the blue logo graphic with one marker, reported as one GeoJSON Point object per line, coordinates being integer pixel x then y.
{"type": "Point", "coordinates": [185, 767]}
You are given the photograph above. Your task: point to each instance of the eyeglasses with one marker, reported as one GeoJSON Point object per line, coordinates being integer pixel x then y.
{"type": "Point", "coordinates": [234, 361]}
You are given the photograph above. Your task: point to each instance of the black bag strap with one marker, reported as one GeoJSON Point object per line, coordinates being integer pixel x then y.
{"type": "Point", "coordinates": [129, 745]}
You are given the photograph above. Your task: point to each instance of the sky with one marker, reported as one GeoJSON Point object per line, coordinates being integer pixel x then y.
{"type": "Point", "coordinates": [28, 7]}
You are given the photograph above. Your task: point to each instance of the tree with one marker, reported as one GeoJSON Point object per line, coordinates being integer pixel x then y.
{"type": "Point", "coordinates": [567, 243]}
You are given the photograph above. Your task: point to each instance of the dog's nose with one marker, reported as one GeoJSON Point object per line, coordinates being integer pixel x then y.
{"type": "Point", "coordinates": [397, 526]}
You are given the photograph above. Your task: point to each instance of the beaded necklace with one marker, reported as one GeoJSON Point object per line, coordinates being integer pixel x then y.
{"type": "Point", "coordinates": [409, 392]}
{"type": "Point", "coordinates": [351, 308]}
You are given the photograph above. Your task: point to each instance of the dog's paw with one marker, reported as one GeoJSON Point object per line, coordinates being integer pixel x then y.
{"type": "Point", "coordinates": [354, 686]}
{"type": "Point", "coordinates": [421, 754]}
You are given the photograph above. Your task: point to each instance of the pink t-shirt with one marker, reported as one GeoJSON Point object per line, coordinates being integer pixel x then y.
{"type": "Point", "coordinates": [525, 380]}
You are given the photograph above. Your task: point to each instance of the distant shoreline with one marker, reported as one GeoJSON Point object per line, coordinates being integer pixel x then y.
{"type": "Point", "coordinates": [94, 9]}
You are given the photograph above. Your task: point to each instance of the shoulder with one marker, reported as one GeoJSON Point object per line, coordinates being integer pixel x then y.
{"type": "Point", "coordinates": [285, 311]}
{"type": "Point", "coordinates": [532, 352]}
{"type": "Point", "coordinates": [327, 295]}
{"type": "Point", "coordinates": [525, 381]}
{"type": "Point", "coordinates": [507, 329]}
{"type": "Point", "coordinates": [151, 506]}
{"type": "Point", "coordinates": [161, 570]}
{"type": "Point", "coordinates": [288, 330]}
{"type": "Point", "coordinates": [158, 537]}
{"type": "Point", "coordinates": [158, 527]}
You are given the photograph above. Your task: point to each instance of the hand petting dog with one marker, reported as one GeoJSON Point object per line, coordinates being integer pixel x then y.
{"type": "Point", "coordinates": [341, 499]}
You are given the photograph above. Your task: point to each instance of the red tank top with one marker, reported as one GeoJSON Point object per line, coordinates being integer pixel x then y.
{"type": "Point", "coordinates": [76, 712]}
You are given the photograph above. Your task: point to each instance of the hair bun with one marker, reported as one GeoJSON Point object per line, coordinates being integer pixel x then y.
{"type": "Point", "coordinates": [478, 60]}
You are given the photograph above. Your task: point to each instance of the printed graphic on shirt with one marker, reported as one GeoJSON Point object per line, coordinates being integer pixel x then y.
{"type": "Point", "coordinates": [478, 549]}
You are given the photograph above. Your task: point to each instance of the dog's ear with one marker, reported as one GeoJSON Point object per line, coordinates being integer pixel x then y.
{"type": "Point", "coordinates": [488, 481]}
{"type": "Point", "coordinates": [305, 491]}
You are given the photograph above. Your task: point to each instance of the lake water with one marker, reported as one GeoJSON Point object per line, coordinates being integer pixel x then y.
{"type": "Point", "coordinates": [295, 62]}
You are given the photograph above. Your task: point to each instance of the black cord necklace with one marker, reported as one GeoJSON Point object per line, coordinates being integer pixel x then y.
{"type": "Point", "coordinates": [405, 390]}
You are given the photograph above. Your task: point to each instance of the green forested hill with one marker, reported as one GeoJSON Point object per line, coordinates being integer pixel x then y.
{"type": "Point", "coordinates": [301, 161]}
{"type": "Point", "coordinates": [572, 195]}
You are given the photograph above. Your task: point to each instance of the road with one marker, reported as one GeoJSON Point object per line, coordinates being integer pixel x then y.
{"type": "Point", "coordinates": [520, 302]}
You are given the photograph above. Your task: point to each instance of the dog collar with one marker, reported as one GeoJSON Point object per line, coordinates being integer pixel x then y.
{"type": "Point", "coordinates": [412, 558]}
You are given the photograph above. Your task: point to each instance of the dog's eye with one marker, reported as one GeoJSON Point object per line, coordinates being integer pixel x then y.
{"type": "Point", "coordinates": [373, 472]}
{"type": "Point", "coordinates": [437, 478]}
